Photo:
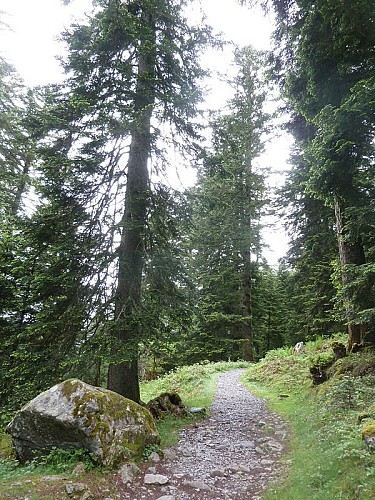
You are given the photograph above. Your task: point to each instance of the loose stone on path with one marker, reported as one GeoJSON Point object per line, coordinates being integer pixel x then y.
{"type": "Point", "coordinates": [234, 454]}
{"type": "Point", "coordinates": [156, 479]}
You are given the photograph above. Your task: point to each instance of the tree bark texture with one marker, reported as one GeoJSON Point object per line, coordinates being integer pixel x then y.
{"type": "Point", "coordinates": [123, 370]}
{"type": "Point", "coordinates": [247, 328]}
{"type": "Point", "coordinates": [350, 253]}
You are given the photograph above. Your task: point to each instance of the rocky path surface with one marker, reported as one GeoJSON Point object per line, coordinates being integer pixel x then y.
{"type": "Point", "coordinates": [233, 454]}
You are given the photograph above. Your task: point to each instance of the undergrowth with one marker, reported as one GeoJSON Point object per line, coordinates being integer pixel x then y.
{"type": "Point", "coordinates": [190, 382]}
{"type": "Point", "coordinates": [56, 462]}
{"type": "Point", "coordinates": [327, 457]}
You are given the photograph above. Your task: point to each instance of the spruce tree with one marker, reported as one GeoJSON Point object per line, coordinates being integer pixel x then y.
{"type": "Point", "coordinates": [132, 69]}
{"type": "Point", "coordinates": [324, 62]}
{"type": "Point", "coordinates": [227, 205]}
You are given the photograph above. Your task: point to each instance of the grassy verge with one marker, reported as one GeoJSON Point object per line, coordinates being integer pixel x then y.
{"type": "Point", "coordinates": [196, 385]}
{"type": "Point", "coordinates": [327, 457]}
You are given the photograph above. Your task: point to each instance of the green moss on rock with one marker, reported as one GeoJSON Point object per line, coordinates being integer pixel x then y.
{"type": "Point", "coordinates": [368, 430]}
{"type": "Point", "coordinates": [79, 415]}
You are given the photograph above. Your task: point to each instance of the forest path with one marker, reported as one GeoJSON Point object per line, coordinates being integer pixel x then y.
{"type": "Point", "coordinates": [233, 454]}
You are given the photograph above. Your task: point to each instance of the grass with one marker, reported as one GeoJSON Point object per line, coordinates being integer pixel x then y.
{"type": "Point", "coordinates": [196, 384]}
{"type": "Point", "coordinates": [327, 457]}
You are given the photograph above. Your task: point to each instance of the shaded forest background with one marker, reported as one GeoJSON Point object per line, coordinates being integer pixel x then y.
{"type": "Point", "coordinates": [107, 274]}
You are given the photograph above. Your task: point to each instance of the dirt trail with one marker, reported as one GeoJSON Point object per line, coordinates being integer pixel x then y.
{"type": "Point", "coordinates": [233, 454]}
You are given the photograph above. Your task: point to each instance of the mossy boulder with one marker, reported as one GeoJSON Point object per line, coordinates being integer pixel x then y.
{"type": "Point", "coordinates": [368, 434]}
{"type": "Point", "coordinates": [76, 415]}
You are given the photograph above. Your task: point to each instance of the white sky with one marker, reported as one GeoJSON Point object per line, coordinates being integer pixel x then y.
{"type": "Point", "coordinates": [31, 46]}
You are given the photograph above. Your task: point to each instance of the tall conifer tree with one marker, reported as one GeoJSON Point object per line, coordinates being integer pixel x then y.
{"type": "Point", "coordinates": [324, 60]}
{"type": "Point", "coordinates": [228, 202]}
{"type": "Point", "coordinates": [131, 68]}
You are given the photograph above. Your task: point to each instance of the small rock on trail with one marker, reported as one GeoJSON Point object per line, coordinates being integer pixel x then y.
{"type": "Point", "coordinates": [232, 455]}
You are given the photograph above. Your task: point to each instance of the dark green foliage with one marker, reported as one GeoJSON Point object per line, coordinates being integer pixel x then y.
{"type": "Point", "coordinates": [271, 310]}
{"type": "Point", "coordinates": [48, 265]}
{"type": "Point", "coordinates": [60, 460]}
{"type": "Point", "coordinates": [313, 249]}
{"type": "Point", "coordinates": [227, 204]}
{"type": "Point", "coordinates": [324, 63]}
{"type": "Point", "coordinates": [16, 140]}
{"type": "Point", "coordinates": [167, 295]}
{"type": "Point", "coordinates": [61, 264]}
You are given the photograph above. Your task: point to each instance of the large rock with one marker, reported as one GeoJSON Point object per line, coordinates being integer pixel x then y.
{"type": "Point", "coordinates": [74, 415]}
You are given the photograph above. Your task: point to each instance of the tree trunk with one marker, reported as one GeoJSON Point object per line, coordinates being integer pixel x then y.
{"type": "Point", "coordinates": [123, 369]}
{"type": "Point", "coordinates": [247, 328]}
{"type": "Point", "coordinates": [350, 253]}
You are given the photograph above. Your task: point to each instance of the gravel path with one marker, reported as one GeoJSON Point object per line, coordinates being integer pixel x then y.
{"type": "Point", "coordinates": [233, 454]}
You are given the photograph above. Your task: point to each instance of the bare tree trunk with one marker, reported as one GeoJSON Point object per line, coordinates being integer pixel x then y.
{"type": "Point", "coordinates": [350, 253]}
{"type": "Point", "coordinates": [22, 184]}
{"type": "Point", "coordinates": [247, 328]}
{"type": "Point", "coordinates": [123, 370]}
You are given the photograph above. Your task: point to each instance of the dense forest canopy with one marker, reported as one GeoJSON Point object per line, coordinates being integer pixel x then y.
{"type": "Point", "coordinates": [107, 273]}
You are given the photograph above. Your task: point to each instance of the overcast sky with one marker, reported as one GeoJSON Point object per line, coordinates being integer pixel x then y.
{"type": "Point", "coordinates": [36, 25]}
{"type": "Point", "coordinates": [31, 45]}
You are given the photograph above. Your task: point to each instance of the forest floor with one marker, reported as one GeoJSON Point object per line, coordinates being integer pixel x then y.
{"type": "Point", "coordinates": [233, 454]}
{"type": "Point", "coordinates": [241, 450]}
